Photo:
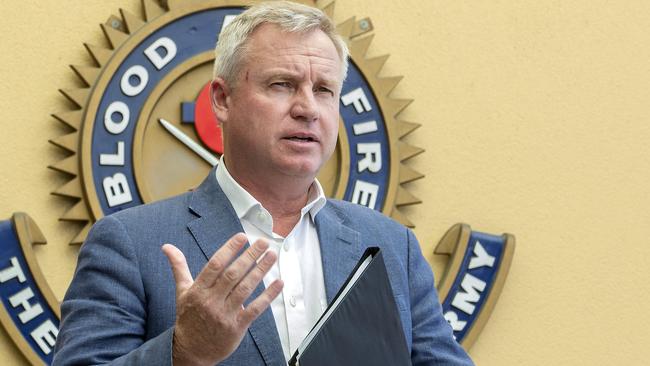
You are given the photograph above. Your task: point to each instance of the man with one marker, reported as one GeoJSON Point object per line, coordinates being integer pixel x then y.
{"type": "Point", "coordinates": [278, 76]}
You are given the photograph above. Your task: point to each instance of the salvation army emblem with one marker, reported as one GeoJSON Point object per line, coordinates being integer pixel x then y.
{"type": "Point", "coordinates": [142, 130]}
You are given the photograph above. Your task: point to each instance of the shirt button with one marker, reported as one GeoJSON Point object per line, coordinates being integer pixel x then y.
{"type": "Point", "coordinates": [292, 301]}
{"type": "Point", "coordinates": [286, 247]}
{"type": "Point", "coordinates": [260, 215]}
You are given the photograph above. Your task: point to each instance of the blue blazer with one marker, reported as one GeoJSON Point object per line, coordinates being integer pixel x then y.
{"type": "Point", "coordinates": [120, 306]}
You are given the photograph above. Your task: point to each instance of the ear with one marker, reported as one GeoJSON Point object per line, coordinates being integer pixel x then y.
{"type": "Point", "coordinates": [220, 99]}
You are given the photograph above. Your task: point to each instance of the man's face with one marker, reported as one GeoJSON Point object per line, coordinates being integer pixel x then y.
{"type": "Point", "coordinates": [282, 114]}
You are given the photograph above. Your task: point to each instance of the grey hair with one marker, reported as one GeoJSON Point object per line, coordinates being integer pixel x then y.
{"type": "Point", "coordinates": [290, 17]}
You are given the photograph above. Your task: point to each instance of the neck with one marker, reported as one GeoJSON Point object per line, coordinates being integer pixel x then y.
{"type": "Point", "coordinates": [283, 196]}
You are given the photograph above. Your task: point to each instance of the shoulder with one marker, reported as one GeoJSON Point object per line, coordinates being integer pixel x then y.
{"type": "Point", "coordinates": [168, 209]}
{"type": "Point", "coordinates": [146, 223]}
{"type": "Point", "coordinates": [375, 228]}
{"type": "Point", "coordinates": [358, 215]}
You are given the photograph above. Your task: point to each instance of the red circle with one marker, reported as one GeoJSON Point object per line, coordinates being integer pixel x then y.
{"type": "Point", "coordinates": [205, 122]}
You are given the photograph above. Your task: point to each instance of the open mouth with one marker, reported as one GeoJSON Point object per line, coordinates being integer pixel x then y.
{"type": "Point", "coordinates": [301, 139]}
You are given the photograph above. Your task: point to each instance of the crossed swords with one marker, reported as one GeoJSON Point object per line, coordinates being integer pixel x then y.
{"type": "Point", "coordinates": [187, 141]}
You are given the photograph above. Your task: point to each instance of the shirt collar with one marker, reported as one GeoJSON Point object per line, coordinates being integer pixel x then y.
{"type": "Point", "coordinates": [243, 202]}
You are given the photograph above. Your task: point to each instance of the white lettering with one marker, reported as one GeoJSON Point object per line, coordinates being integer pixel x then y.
{"type": "Point", "coordinates": [482, 258]}
{"type": "Point", "coordinates": [45, 336]}
{"type": "Point", "coordinates": [363, 128]}
{"type": "Point", "coordinates": [116, 189]}
{"type": "Point", "coordinates": [372, 158]}
{"type": "Point", "coordinates": [138, 73]}
{"type": "Point", "coordinates": [464, 299]}
{"type": "Point", "coordinates": [365, 193]}
{"type": "Point", "coordinates": [12, 272]}
{"type": "Point", "coordinates": [154, 55]}
{"type": "Point", "coordinates": [29, 311]}
{"type": "Point", "coordinates": [116, 159]}
{"type": "Point", "coordinates": [226, 20]}
{"type": "Point", "coordinates": [452, 318]}
{"type": "Point", "coordinates": [358, 99]}
{"type": "Point", "coordinates": [116, 127]}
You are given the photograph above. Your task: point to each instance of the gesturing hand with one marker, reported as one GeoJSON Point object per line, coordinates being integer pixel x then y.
{"type": "Point", "coordinates": [210, 317]}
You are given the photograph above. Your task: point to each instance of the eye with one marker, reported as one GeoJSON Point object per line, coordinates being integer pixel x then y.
{"type": "Point", "coordinates": [323, 89]}
{"type": "Point", "coordinates": [281, 84]}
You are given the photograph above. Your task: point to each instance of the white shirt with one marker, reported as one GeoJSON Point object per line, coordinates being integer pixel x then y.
{"type": "Point", "coordinates": [299, 265]}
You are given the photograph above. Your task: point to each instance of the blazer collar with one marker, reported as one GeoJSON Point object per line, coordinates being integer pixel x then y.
{"type": "Point", "coordinates": [216, 222]}
{"type": "Point", "coordinates": [340, 247]}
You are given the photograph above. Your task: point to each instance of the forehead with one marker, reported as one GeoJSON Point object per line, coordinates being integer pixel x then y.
{"type": "Point", "coordinates": [269, 45]}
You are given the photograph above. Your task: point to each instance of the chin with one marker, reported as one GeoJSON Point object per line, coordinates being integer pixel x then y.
{"type": "Point", "coordinates": [302, 169]}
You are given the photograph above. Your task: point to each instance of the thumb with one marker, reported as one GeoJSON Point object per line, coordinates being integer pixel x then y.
{"type": "Point", "coordinates": [182, 275]}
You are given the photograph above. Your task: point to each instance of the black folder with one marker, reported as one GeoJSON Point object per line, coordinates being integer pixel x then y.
{"type": "Point", "coordinates": [361, 326]}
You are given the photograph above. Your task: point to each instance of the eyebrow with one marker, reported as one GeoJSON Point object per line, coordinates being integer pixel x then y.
{"type": "Point", "coordinates": [280, 73]}
{"type": "Point", "coordinates": [283, 73]}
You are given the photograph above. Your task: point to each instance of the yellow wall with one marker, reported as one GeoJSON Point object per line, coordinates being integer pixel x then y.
{"type": "Point", "coordinates": [536, 120]}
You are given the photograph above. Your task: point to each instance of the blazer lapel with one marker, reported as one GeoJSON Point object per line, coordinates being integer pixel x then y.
{"type": "Point", "coordinates": [340, 248]}
{"type": "Point", "coordinates": [216, 221]}
{"type": "Point", "coordinates": [215, 224]}
{"type": "Point", "coordinates": [265, 334]}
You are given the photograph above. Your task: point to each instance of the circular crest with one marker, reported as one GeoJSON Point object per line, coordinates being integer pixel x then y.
{"type": "Point", "coordinates": [144, 131]}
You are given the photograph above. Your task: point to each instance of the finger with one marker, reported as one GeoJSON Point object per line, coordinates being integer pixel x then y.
{"type": "Point", "coordinates": [232, 275]}
{"type": "Point", "coordinates": [247, 285]}
{"type": "Point", "coordinates": [220, 260]}
{"type": "Point", "coordinates": [256, 307]}
{"type": "Point", "coordinates": [181, 271]}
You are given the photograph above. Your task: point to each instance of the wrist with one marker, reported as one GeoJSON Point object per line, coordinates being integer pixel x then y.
{"type": "Point", "coordinates": [182, 356]}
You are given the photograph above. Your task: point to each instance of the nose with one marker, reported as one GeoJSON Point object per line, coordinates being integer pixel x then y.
{"type": "Point", "coordinates": [305, 107]}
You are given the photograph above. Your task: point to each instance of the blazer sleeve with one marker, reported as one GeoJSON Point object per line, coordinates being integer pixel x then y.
{"type": "Point", "coordinates": [433, 342]}
{"type": "Point", "coordinates": [104, 310]}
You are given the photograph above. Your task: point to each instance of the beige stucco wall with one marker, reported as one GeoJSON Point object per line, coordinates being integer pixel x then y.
{"type": "Point", "coordinates": [535, 118]}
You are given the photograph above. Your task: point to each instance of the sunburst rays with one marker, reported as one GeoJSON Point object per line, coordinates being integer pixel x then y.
{"type": "Point", "coordinates": [119, 27]}
{"type": "Point", "coordinates": [391, 107]}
